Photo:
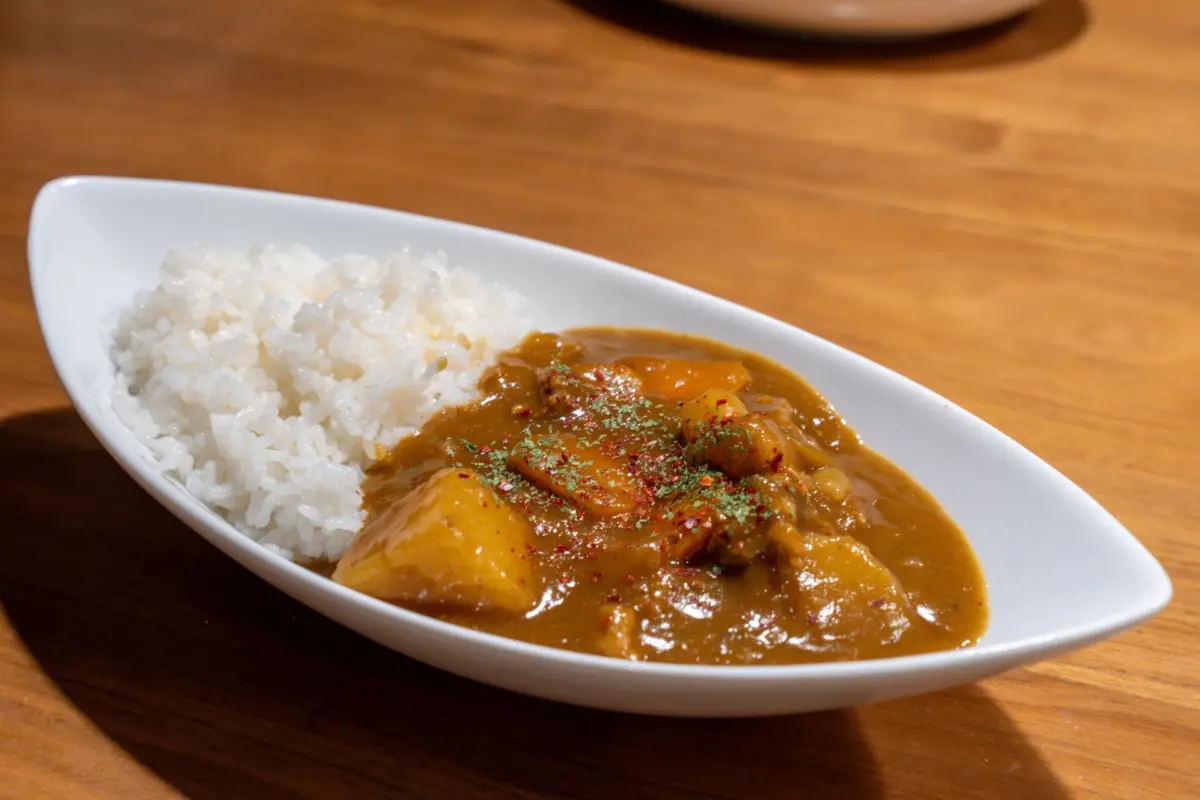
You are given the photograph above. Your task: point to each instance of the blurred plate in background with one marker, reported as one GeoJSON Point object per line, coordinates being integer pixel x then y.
{"type": "Point", "coordinates": [864, 17]}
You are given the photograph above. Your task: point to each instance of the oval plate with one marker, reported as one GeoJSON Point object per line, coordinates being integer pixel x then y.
{"type": "Point", "coordinates": [863, 17]}
{"type": "Point", "coordinates": [1062, 573]}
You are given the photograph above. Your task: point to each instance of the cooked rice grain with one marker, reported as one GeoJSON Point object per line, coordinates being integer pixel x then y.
{"type": "Point", "coordinates": [265, 382]}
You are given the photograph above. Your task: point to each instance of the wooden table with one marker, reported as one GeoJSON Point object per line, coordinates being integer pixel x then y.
{"type": "Point", "coordinates": [1010, 217]}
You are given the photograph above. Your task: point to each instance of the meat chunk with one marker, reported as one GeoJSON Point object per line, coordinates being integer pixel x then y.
{"type": "Point", "coordinates": [544, 349]}
{"type": "Point", "coordinates": [683, 530]}
{"type": "Point", "coordinates": [449, 542]}
{"type": "Point", "coordinates": [574, 390]}
{"type": "Point", "coordinates": [695, 532]}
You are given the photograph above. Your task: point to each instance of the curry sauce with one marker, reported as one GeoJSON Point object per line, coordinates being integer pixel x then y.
{"type": "Point", "coordinates": [659, 497]}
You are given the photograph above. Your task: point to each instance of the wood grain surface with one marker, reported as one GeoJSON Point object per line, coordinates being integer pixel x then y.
{"type": "Point", "coordinates": [1011, 217]}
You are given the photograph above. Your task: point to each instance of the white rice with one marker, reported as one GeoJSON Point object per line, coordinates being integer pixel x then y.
{"type": "Point", "coordinates": [266, 381]}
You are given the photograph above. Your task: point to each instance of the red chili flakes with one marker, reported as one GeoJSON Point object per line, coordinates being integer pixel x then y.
{"type": "Point", "coordinates": [561, 548]}
{"type": "Point", "coordinates": [533, 551]}
{"type": "Point", "coordinates": [877, 602]}
{"type": "Point", "coordinates": [564, 580]}
{"type": "Point", "coordinates": [776, 461]}
{"type": "Point", "coordinates": [463, 475]}
{"type": "Point", "coordinates": [627, 579]}
{"type": "Point", "coordinates": [613, 598]}
{"type": "Point", "coordinates": [562, 457]}
{"type": "Point", "coordinates": [483, 451]}
{"type": "Point", "coordinates": [596, 576]}
{"type": "Point", "coordinates": [722, 401]}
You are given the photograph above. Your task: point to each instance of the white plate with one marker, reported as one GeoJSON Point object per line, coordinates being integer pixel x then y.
{"type": "Point", "coordinates": [864, 17]}
{"type": "Point", "coordinates": [1061, 572]}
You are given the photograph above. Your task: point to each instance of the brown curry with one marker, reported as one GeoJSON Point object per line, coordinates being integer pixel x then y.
{"type": "Point", "coordinates": [658, 497]}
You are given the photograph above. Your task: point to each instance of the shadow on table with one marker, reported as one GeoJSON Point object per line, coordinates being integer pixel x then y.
{"type": "Point", "coordinates": [226, 688]}
{"type": "Point", "coordinates": [1049, 27]}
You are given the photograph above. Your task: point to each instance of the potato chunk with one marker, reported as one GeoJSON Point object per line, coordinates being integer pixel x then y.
{"type": "Point", "coordinates": [584, 475]}
{"type": "Point", "coordinates": [620, 637]}
{"type": "Point", "coordinates": [708, 409]}
{"type": "Point", "coordinates": [449, 542]}
{"type": "Point", "coordinates": [833, 482]}
{"type": "Point", "coordinates": [737, 442]}
{"type": "Point", "coordinates": [846, 594]}
{"type": "Point", "coordinates": [679, 379]}
{"type": "Point", "coordinates": [743, 445]}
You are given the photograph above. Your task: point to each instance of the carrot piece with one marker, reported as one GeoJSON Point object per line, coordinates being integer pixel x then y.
{"type": "Point", "coordinates": [679, 379]}
{"type": "Point", "coordinates": [584, 475]}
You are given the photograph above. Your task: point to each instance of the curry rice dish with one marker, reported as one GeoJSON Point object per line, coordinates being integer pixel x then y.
{"type": "Point", "coordinates": [652, 496]}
